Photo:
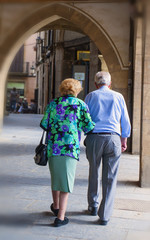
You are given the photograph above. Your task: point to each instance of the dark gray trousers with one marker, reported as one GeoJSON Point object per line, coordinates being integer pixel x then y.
{"type": "Point", "coordinates": [108, 149]}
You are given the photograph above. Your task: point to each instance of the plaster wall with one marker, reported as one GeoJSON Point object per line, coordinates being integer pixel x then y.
{"type": "Point", "coordinates": [30, 85]}
{"type": "Point", "coordinates": [29, 53]}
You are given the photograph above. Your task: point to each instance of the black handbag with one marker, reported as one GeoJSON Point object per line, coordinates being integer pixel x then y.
{"type": "Point", "coordinates": [40, 157]}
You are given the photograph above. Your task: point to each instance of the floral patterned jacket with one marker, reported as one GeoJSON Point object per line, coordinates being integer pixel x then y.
{"type": "Point", "coordinates": [64, 119]}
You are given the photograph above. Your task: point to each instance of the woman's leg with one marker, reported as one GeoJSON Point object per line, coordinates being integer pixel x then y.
{"type": "Point", "coordinates": [63, 199]}
{"type": "Point", "coordinates": [56, 195]}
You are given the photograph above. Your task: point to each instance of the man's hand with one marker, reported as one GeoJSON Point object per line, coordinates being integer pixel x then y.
{"type": "Point", "coordinates": [123, 144]}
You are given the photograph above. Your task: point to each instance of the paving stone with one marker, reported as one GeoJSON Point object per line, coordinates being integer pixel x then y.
{"type": "Point", "coordinates": [138, 235]}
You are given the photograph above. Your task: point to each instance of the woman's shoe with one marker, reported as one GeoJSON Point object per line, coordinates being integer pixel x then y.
{"type": "Point", "coordinates": [59, 223]}
{"type": "Point", "coordinates": [55, 211]}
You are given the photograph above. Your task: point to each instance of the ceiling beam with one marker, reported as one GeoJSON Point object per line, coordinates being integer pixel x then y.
{"type": "Point", "coordinates": [66, 1]}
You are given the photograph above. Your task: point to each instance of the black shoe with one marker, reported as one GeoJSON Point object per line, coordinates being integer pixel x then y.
{"type": "Point", "coordinates": [103, 222]}
{"type": "Point", "coordinates": [93, 210]}
{"type": "Point", "coordinates": [55, 211]}
{"type": "Point", "coordinates": [59, 223]}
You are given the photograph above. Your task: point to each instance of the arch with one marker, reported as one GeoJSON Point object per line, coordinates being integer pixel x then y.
{"type": "Point", "coordinates": [51, 12]}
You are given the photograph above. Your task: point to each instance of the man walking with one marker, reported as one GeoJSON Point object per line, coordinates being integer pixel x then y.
{"type": "Point", "coordinates": [105, 143]}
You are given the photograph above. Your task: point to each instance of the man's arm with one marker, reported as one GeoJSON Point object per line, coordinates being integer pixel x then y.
{"type": "Point", "coordinates": [125, 125]}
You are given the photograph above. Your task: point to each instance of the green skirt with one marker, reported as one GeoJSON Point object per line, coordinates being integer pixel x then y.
{"type": "Point", "coordinates": [62, 169]}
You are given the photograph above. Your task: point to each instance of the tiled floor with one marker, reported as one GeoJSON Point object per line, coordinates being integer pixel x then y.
{"type": "Point", "coordinates": [25, 193]}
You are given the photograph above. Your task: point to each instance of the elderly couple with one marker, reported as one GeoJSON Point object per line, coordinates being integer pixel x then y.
{"type": "Point", "coordinates": [104, 119]}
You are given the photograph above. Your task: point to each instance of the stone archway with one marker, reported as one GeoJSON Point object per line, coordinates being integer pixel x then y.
{"type": "Point", "coordinates": [39, 17]}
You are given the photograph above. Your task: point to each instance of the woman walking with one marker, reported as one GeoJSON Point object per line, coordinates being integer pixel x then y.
{"type": "Point", "coordinates": [64, 119]}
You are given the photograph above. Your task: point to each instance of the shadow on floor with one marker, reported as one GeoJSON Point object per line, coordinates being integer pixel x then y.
{"type": "Point", "coordinates": [15, 180]}
{"type": "Point", "coordinates": [40, 219]}
{"type": "Point", "coordinates": [128, 183]}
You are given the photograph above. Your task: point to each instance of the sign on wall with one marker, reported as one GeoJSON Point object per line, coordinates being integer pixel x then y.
{"type": "Point", "coordinates": [83, 55]}
{"type": "Point", "coordinates": [79, 76]}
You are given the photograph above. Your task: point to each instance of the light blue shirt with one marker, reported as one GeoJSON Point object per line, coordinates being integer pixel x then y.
{"type": "Point", "coordinates": [109, 112]}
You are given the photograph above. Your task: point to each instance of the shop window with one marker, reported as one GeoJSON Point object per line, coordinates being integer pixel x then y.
{"type": "Point", "coordinates": [19, 88]}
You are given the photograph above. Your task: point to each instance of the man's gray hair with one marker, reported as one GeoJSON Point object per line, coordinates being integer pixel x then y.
{"type": "Point", "coordinates": [102, 78]}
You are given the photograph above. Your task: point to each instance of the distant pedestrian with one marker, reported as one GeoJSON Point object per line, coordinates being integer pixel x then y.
{"type": "Point", "coordinates": [33, 106]}
{"type": "Point", "coordinates": [25, 108]}
{"type": "Point", "coordinates": [18, 105]}
{"type": "Point", "coordinates": [13, 99]}
{"type": "Point", "coordinates": [64, 119]}
{"type": "Point", "coordinates": [112, 127]}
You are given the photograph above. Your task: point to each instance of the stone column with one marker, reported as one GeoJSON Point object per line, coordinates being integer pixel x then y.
{"type": "Point", "coordinates": [3, 75]}
{"type": "Point", "coordinates": [46, 100]}
{"type": "Point", "coordinates": [145, 113]}
{"type": "Point", "coordinates": [137, 88]}
{"type": "Point", "coordinates": [94, 65]}
{"type": "Point", "coordinates": [59, 57]}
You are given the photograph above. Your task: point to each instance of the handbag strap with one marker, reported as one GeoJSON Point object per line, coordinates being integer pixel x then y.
{"type": "Point", "coordinates": [41, 141]}
{"type": "Point", "coordinates": [46, 137]}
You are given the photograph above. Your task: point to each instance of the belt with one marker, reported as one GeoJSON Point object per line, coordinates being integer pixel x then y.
{"type": "Point", "coordinates": [101, 133]}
